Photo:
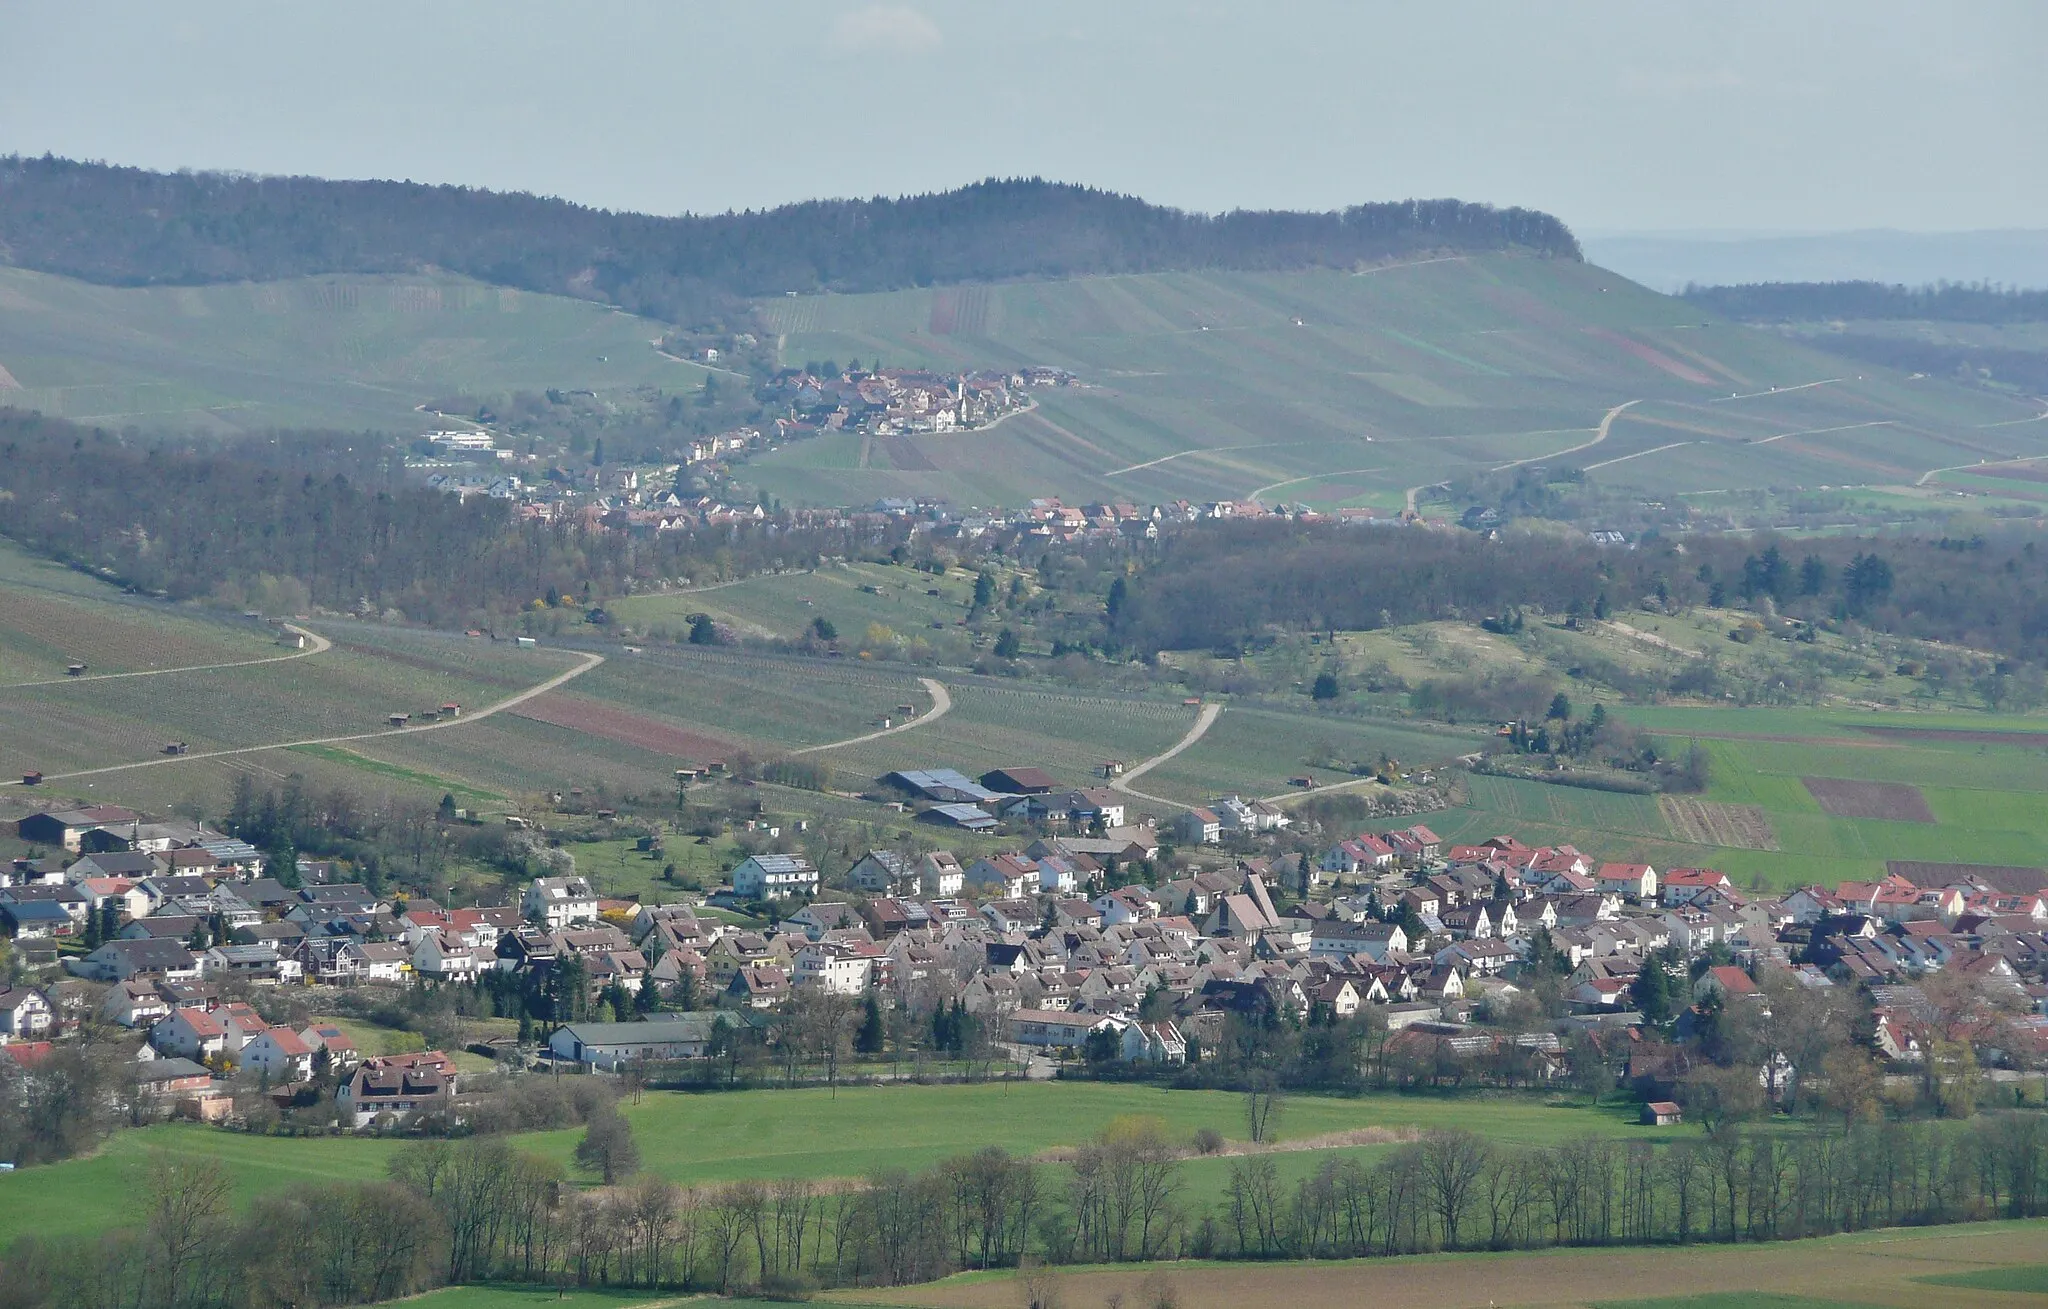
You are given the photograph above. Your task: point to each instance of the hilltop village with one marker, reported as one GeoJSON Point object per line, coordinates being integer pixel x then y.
{"type": "Point", "coordinates": [1102, 945]}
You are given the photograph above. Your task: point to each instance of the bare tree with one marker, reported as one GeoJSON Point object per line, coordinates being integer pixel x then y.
{"type": "Point", "coordinates": [1453, 1159]}
{"type": "Point", "coordinates": [1263, 1104]}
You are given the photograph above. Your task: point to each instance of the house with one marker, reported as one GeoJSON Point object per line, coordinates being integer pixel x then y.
{"type": "Point", "coordinates": [341, 1051]}
{"type": "Point", "coordinates": [1154, 1043]}
{"type": "Point", "coordinates": [1662, 1113]}
{"type": "Point", "coordinates": [1337, 939]}
{"type": "Point", "coordinates": [1088, 808]}
{"type": "Point", "coordinates": [1727, 981]}
{"type": "Point", "coordinates": [119, 961]}
{"type": "Point", "coordinates": [1050, 1030]}
{"type": "Point", "coordinates": [25, 1013]}
{"type": "Point", "coordinates": [1246, 817]}
{"type": "Point", "coordinates": [1361, 854]}
{"type": "Point", "coordinates": [37, 920]}
{"type": "Point", "coordinates": [834, 968]}
{"type": "Point", "coordinates": [758, 987]}
{"type": "Point", "coordinates": [1198, 826]}
{"type": "Point", "coordinates": [1682, 886]}
{"type": "Point", "coordinates": [1637, 882]}
{"type": "Point", "coordinates": [261, 965]}
{"type": "Point", "coordinates": [940, 874]}
{"type": "Point", "coordinates": [191, 1033]}
{"type": "Point", "coordinates": [400, 1086]}
{"type": "Point", "coordinates": [606, 1047]}
{"type": "Point", "coordinates": [774, 877]}
{"type": "Point", "coordinates": [556, 902]}
{"type": "Point", "coordinates": [134, 1004]}
{"type": "Point", "coordinates": [278, 1053]}
{"type": "Point", "coordinates": [883, 872]}
{"type": "Point", "coordinates": [1003, 876]}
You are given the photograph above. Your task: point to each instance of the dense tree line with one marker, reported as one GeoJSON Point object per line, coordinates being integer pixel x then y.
{"type": "Point", "coordinates": [128, 226]}
{"type": "Point", "coordinates": [1806, 302]}
{"type": "Point", "coordinates": [327, 520]}
{"type": "Point", "coordinates": [480, 1210]}
{"type": "Point", "coordinates": [1227, 586]}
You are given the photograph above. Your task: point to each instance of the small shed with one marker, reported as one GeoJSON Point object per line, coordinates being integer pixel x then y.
{"type": "Point", "coordinates": [74, 670]}
{"type": "Point", "coordinates": [451, 709]}
{"type": "Point", "coordinates": [31, 779]}
{"type": "Point", "coordinates": [398, 720]}
{"type": "Point", "coordinates": [175, 747]}
{"type": "Point", "coordinates": [1662, 1113]}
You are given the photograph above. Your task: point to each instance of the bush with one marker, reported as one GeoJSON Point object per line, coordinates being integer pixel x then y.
{"type": "Point", "coordinates": [1208, 1141]}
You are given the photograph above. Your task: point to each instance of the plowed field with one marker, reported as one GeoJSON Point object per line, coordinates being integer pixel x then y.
{"type": "Point", "coordinates": [587, 716]}
{"type": "Point", "coordinates": [1888, 800]}
{"type": "Point", "coordinates": [1706, 822]}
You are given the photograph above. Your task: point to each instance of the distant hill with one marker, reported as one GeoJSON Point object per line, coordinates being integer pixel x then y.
{"type": "Point", "coordinates": [1807, 301]}
{"type": "Point", "coordinates": [1668, 261]}
{"type": "Point", "coordinates": [129, 227]}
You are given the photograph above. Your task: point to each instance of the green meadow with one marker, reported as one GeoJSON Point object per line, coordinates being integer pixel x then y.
{"type": "Point", "coordinates": [709, 1138]}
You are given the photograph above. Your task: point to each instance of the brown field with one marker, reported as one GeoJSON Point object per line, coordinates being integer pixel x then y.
{"type": "Point", "coordinates": [1888, 800]}
{"type": "Point", "coordinates": [1705, 822]}
{"type": "Point", "coordinates": [580, 715]}
{"type": "Point", "coordinates": [1876, 1268]}
{"type": "Point", "coordinates": [1964, 736]}
{"type": "Point", "coordinates": [2006, 877]}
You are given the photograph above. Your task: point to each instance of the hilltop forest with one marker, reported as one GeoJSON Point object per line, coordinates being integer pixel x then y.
{"type": "Point", "coordinates": [128, 226]}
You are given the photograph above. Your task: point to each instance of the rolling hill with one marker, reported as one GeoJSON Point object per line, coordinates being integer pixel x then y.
{"type": "Point", "coordinates": [342, 351]}
{"type": "Point", "coordinates": [1342, 388]}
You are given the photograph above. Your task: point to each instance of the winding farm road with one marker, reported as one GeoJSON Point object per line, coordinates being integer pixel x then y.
{"type": "Point", "coordinates": [1203, 722]}
{"type": "Point", "coordinates": [590, 660]}
{"type": "Point", "coordinates": [318, 644]}
{"type": "Point", "coordinates": [942, 704]}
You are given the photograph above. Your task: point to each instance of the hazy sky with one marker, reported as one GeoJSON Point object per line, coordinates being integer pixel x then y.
{"type": "Point", "coordinates": [1613, 114]}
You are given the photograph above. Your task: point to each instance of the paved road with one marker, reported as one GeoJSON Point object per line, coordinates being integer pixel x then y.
{"type": "Point", "coordinates": [942, 704]}
{"type": "Point", "coordinates": [589, 661]}
{"type": "Point", "coordinates": [318, 644]}
{"type": "Point", "coordinates": [1203, 722]}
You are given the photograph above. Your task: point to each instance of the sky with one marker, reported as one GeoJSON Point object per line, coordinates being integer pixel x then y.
{"type": "Point", "coordinates": [1616, 115]}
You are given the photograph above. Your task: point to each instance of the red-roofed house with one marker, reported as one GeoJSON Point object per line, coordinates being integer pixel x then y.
{"type": "Point", "coordinates": [1684, 885]}
{"type": "Point", "coordinates": [1727, 980]}
{"type": "Point", "coordinates": [280, 1054]}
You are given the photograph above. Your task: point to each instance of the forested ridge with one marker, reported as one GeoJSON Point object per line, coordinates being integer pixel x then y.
{"type": "Point", "coordinates": [1817, 301]}
{"type": "Point", "coordinates": [129, 226]}
{"type": "Point", "coordinates": [330, 516]}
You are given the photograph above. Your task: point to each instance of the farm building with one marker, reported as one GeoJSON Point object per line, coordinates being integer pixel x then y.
{"type": "Point", "coordinates": [1662, 1113]}
{"type": "Point", "coordinates": [1020, 781]}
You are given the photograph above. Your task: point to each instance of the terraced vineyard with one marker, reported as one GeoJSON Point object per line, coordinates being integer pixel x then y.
{"type": "Point", "coordinates": [1336, 388]}
{"type": "Point", "coordinates": [333, 352]}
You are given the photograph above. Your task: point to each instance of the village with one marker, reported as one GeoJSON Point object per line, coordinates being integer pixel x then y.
{"type": "Point", "coordinates": [1105, 943]}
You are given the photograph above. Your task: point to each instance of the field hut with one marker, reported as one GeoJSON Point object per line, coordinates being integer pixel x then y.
{"type": "Point", "coordinates": [398, 720]}
{"type": "Point", "coordinates": [31, 779]}
{"type": "Point", "coordinates": [1662, 1113]}
{"type": "Point", "coordinates": [175, 747]}
{"type": "Point", "coordinates": [451, 709]}
{"type": "Point", "coordinates": [74, 670]}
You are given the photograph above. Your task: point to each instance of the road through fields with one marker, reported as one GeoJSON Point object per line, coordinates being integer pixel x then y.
{"type": "Point", "coordinates": [1203, 722]}
{"type": "Point", "coordinates": [942, 704]}
{"type": "Point", "coordinates": [590, 660]}
{"type": "Point", "coordinates": [318, 645]}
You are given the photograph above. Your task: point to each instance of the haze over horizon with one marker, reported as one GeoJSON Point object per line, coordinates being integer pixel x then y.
{"type": "Point", "coordinates": [1614, 115]}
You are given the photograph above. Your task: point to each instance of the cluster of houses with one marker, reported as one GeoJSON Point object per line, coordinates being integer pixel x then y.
{"type": "Point", "coordinates": [1050, 946]}
{"type": "Point", "coordinates": [903, 402]}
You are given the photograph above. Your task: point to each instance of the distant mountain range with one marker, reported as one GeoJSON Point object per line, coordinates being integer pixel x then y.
{"type": "Point", "coordinates": [1669, 261]}
{"type": "Point", "coordinates": [128, 226]}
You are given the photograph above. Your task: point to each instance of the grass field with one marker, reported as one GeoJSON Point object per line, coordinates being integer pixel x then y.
{"type": "Point", "coordinates": [1863, 1271]}
{"type": "Point", "coordinates": [787, 604]}
{"type": "Point", "coordinates": [1214, 385]}
{"type": "Point", "coordinates": [1982, 787]}
{"type": "Point", "coordinates": [333, 352]}
{"type": "Point", "coordinates": [806, 1133]}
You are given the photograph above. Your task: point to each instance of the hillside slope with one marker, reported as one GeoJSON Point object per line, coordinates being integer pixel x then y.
{"type": "Point", "coordinates": [343, 352]}
{"type": "Point", "coordinates": [1345, 388]}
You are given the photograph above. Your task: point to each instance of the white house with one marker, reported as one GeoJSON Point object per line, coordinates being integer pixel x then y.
{"type": "Point", "coordinates": [558, 902]}
{"type": "Point", "coordinates": [25, 1013]}
{"type": "Point", "coordinates": [774, 876]}
{"type": "Point", "coordinates": [1049, 1030]}
{"type": "Point", "coordinates": [279, 1053]}
{"type": "Point", "coordinates": [834, 968]}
